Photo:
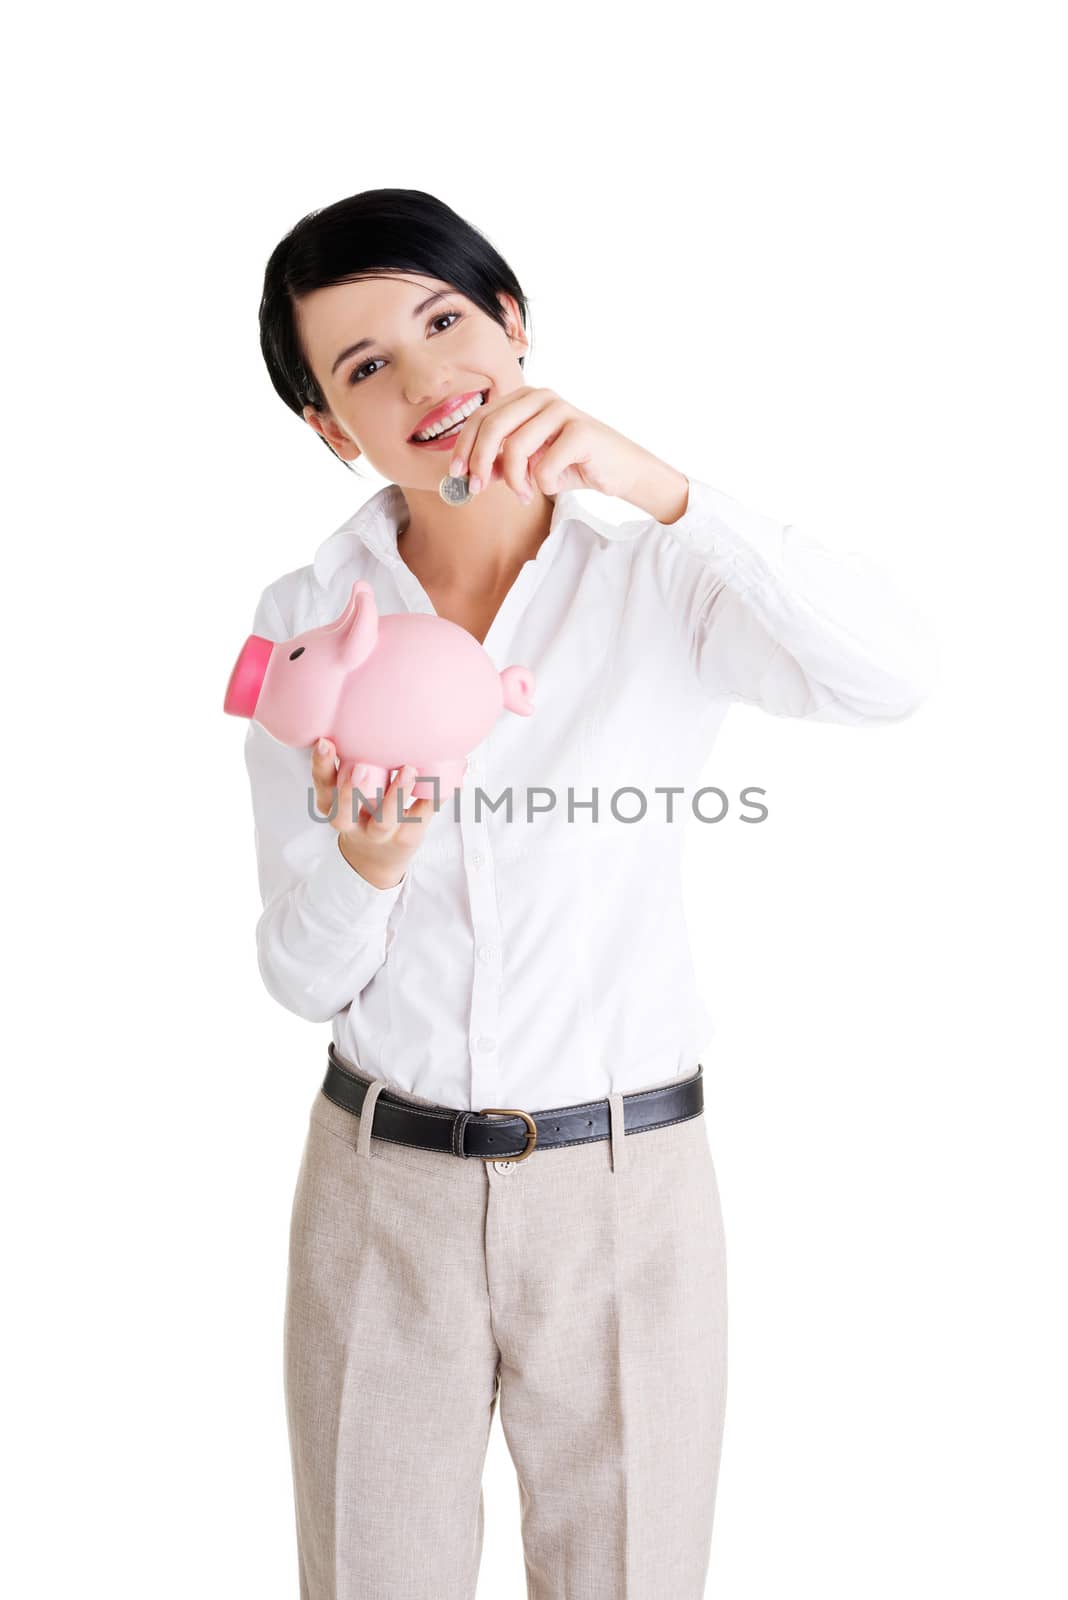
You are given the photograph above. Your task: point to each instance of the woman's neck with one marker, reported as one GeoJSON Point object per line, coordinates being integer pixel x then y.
{"type": "Point", "coordinates": [476, 547]}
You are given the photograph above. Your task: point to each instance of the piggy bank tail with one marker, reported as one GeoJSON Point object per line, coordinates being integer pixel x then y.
{"type": "Point", "coordinates": [517, 684]}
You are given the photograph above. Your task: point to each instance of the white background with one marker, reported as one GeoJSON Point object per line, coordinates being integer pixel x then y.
{"type": "Point", "coordinates": [807, 254]}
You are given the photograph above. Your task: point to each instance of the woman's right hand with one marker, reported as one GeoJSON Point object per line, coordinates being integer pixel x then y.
{"type": "Point", "coordinates": [378, 851]}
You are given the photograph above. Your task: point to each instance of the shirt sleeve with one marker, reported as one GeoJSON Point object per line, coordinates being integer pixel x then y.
{"type": "Point", "coordinates": [772, 618]}
{"type": "Point", "coordinates": [324, 930]}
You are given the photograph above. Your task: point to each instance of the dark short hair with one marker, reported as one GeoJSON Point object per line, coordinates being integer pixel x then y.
{"type": "Point", "coordinates": [405, 230]}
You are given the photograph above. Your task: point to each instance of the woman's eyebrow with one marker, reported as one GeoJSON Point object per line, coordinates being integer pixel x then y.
{"type": "Point", "coordinates": [362, 344]}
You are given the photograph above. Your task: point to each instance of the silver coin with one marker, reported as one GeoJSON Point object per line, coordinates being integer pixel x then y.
{"type": "Point", "coordinates": [454, 491]}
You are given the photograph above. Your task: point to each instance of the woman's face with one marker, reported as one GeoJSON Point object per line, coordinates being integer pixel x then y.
{"type": "Point", "coordinates": [411, 356]}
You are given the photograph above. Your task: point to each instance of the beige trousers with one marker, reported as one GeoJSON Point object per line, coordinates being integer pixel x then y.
{"type": "Point", "coordinates": [584, 1289]}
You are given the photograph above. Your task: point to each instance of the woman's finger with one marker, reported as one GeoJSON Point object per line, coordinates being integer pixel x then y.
{"type": "Point", "coordinates": [401, 786]}
{"type": "Point", "coordinates": [379, 817]}
{"type": "Point", "coordinates": [522, 445]}
{"type": "Point", "coordinates": [550, 462]}
{"type": "Point", "coordinates": [479, 440]}
{"type": "Point", "coordinates": [464, 441]}
{"type": "Point", "coordinates": [495, 433]}
{"type": "Point", "coordinates": [421, 811]}
{"type": "Point", "coordinates": [323, 767]}
{"type": "Point", "coordinates": [324, 774]}
{"type": "Point", "coordinates": [355, 778]}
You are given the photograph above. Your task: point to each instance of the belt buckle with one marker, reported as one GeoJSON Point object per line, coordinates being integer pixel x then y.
{"type": "Point", "coordinates": [512, 1111]}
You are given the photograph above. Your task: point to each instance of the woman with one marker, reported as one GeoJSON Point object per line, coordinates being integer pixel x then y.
{"type": "Point", "coordinates": [523, 949]}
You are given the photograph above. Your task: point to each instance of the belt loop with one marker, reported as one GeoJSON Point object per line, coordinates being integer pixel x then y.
{"type": "Point", "coordinates": [460, 1122]}
{"type": "Point", "coordinates": [615, 1112]}
{"type": "Point", "coordinates": [367, 1115]}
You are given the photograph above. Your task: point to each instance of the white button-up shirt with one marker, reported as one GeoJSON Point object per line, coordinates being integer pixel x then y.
{"type": "Point", "coordinates": [542, 959]}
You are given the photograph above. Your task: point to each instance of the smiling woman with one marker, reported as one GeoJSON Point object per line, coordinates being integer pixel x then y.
{"type": "Point", "coordinates": [400, 231]}
{"type": "Point", "coordinates": [444, 1249]}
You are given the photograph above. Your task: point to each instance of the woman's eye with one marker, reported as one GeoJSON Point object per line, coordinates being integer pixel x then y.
{"type": "Point", "coordinates": [442, 315]}
{"type": "Point", "coordinates": [354, 376]}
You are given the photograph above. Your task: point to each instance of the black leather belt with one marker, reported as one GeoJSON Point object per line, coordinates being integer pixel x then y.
{"type": "Point", "coordinates": [476, 1133]}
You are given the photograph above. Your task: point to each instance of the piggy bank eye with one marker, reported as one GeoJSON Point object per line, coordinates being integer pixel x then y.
{"type": "Point", "coordinates": [295, 653]}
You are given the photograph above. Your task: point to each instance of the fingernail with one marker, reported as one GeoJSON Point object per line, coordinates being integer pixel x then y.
{"type": "Point", "coordinates": [456, 467]}
{"type": "Point", "coordinates": [474, 485]}
{"type": "Point", "coordinates": [322, 747]}
{"type": "Point", "coordinates": [359, 773]}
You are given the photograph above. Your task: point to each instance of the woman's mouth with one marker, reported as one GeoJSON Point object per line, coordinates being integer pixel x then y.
{"type": "Point", "coordinates": [443, 441]}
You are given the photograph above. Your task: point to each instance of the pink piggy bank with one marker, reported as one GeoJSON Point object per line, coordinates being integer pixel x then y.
{"type": "Point", "coordinates": [404, 688]}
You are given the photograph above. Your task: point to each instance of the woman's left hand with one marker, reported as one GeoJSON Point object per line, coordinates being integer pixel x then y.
{"type": "Point", "coordinates": [533, 437]}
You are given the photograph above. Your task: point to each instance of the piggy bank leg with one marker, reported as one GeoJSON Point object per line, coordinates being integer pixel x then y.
{"type": "Point", "coordinates": [420, 791]}
{"type": "Point", "coordinates": [450, 776]}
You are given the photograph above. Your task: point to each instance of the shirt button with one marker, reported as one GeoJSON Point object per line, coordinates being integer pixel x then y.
{"type": "Point", "coordinates": [485, 953]}
{"type": "Point", "coordinates": [486, 1041]}
{"type": "Point", "coordinates": [477, 858]}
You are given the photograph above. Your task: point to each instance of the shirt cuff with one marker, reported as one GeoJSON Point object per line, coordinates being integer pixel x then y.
{"type": "Point", "coordinates": [342, 896]}
{"type": "Point", "coordinates": [734, 543]}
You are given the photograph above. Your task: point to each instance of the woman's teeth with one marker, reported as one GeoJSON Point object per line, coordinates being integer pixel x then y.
{"type": "Point", "coordinates": [450, 424]}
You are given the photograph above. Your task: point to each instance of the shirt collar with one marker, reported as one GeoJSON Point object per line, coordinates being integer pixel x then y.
{"type": "Point", "coordinates": [377, 521]}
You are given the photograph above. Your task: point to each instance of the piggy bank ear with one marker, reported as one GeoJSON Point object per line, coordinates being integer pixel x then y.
{"type": "Point", "coordinates": [355, 632]}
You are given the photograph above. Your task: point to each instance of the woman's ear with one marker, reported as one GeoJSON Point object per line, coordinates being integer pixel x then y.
{"type": "Point", "coordinates": [516, 335]}
{"type": "Point", "coordinates": [340, 443]}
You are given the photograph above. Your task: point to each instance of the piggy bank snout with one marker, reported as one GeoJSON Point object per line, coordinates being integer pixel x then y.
{"type": "Point", "coordinates": [246, 680]}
